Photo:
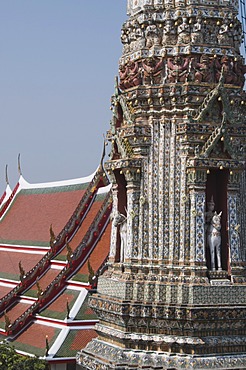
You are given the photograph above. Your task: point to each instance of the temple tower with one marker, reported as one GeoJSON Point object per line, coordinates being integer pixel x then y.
{"type": "Point", "coordinates": [174, 293]}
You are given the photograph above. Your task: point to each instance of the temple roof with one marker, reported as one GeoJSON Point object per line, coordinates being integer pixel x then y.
{"type": "Point", "coordinates": [44, 282]}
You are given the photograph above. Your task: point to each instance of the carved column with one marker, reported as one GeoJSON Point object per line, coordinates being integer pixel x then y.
{"type": "Point", "coordinates": [234, 211]}
{"type": "Point", "coordinates": [197, 190]}
{"type": "Point", "coordinates": [133, 177]}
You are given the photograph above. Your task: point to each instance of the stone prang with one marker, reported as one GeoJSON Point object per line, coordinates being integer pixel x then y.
{"type": "Point", "coordinates": [178, 136]}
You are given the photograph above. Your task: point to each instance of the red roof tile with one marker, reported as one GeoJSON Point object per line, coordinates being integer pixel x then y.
{"type": "Point", "coordinates": [16, 311]}
{"type": "Point", "coordinates": [9, 261]}
{"type": "Point", "coordinates": [76, 340]}
{"type": "Point", "coordinates": [30, 216]}
{"type": "Point", "coordinates": [60, 304]}
{"type": "Point", "coordinates": [46, 279]}
{"type": "Point", "coordinates": [100, 252]}
{"type": "Point", "coordinates": [81, 339]}
{"type": "Point", "coordinates": [78, 237]}
{"type": "Point", "coordinates": [37, 332]}
{"type": "Point", "coordinates": [4, 290]}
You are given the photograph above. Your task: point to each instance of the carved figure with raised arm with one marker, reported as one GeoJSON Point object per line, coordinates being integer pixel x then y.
{"type": "Point", "coordinates": [178, 69]}
{"type": "Point", "coordinates": [207, 69]}
{"type": "Point", "coordinates": [152, 70]}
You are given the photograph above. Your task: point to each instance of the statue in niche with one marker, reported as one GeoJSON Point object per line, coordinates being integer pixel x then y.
{"type": "Point", "coordinates": [237, 35]}
{"type": "Point", "coordinates": [132, 37]}
{"type": "Point", "coordinates": [169, 33]}
{"type": "Point", "coordinates": [120, 221]}
{"type": "Point", "coordinates": [212, 228]}
{"type": "Point", "coordinates": [152, 36]}
{"type": "Point", "coordinates": [210, 32]}
{"type": "Point", "coordinates": [152, 70]}
{"type": "Point", "coordinates": [124, 37]}
{"type": "Point", "coordinates": [139, 34]}
{"type": "Point", "coordinates": [197, 32]}
{"type": "Point", "coordinates": [178, 69]}
{"type": "Point", "coordinates": [184, 32]}
{"type": "Point", "coordinates": [224, 37]}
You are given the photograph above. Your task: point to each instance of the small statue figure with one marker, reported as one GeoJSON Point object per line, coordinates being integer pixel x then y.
{"type": "Point", "coordinates": [152, 71]}
{"type": "Point", "coordinates": [132, 37]}
{"type": "Point", "coordinates": [237, 35]}
{"type": "Point", "coordinates": [207, 69]}
{"type": "Point", "coordinates": [121, 221]}
{"type": "Point", "coordinates": [129, 75]}
{"type": "Point", "coordinates": [224, 36]}
{"type": "Point", "coordinates": [169, 33]}
{"type": "Point", "coordinates": [211, 31]}
{"type": "Point", "coordinates": [123, 76]}
{"type": "Point", "coordinates": [227, 70]}
{"type": "Point", "coordinates": [178, 70]}
{"type": "Point", "coordinates": [152, 36]}
{"type": "Point", "coordinates": [124, 37]}
{"type": "Point", "coordinates": [184, 32]}
{"type": "Point", "coordinates": [240, 70]}
{"type": "Point", "coordinates": [139, 34]}
{"type": "Point", "coordinates": [197, 32]}
{"type": "Point", "coordinates": [133, 78]}
{"type": "Point", "coordinates": [214, 241]}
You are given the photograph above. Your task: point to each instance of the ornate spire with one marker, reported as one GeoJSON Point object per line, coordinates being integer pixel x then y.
{"type": "Point", "coordinates": [178, 138]}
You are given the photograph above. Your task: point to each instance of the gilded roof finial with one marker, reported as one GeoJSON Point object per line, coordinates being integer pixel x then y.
{"type": "Point", "coordinates": [104, 151]}
{"type": "Point", "coordinates": [6, 175]}
{"type": "Point", "coordinates": [19, 166]}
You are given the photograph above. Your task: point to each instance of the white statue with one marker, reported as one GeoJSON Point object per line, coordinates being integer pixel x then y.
{"type": "Point", "coordinates": [214, 240]}
{"type": "Point", "coordinates": [121, 221]}
{"type": "Point", "coordinates": [196, 33]}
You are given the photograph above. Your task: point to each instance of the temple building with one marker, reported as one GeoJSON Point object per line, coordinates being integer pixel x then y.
{"type": "Point", "coordinates": [53, 243]}
{"type": "Point", "coordinates": [142, 265]}
{"type": "Point", "coordinates": [173, 293]}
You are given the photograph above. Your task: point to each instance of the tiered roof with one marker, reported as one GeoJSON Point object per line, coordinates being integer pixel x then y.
{"type": "Point", "coordinates": [44, 279]}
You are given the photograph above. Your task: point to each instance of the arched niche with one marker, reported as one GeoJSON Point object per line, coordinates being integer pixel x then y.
{"type": "Point", "coordinates": [217, 188]}
{"type": "Point", "coordinates": [119, 119]}
{"type": "Point", "coordinates": [122, 205]}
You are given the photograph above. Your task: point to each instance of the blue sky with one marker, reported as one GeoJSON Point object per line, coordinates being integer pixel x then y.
{"type": "Point", "coordinates": [58, 63]}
